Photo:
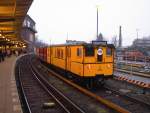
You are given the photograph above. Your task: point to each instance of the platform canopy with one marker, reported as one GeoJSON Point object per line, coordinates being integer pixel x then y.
{"type": "Point", "coordinates": [12, 14]}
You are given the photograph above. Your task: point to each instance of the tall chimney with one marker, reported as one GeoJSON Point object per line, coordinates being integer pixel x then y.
{"type": "Point", "coordinates": [120, 37]}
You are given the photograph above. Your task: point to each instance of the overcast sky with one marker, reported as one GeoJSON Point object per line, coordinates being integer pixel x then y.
{"type": "Point", "coordinates": [77, 18]}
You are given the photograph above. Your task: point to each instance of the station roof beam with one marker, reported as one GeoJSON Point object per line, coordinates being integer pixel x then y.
{"type": "Point", "coordinates": [12, 14]}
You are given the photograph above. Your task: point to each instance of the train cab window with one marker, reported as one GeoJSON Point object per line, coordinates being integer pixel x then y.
{"type": "Point", "coordinates": [108, 51]}
{"type": "Point", "coordinates": [89, 51]}
{"type": "Point", "coordinates": [79, 51]}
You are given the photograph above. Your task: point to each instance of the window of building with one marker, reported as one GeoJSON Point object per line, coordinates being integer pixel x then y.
{"type": "Point", "coordinates": [24, 23]}
{"type": "Point", "coordinates": [31, 37]}
{"type": "Point", "coordinates": [28, 23]}
{"type": "Point", "coordinates": [89, 50]}
{"type": "Point", "coordinates": [108, 51]}
{"type": "Point", "coordinates": [79, 51]}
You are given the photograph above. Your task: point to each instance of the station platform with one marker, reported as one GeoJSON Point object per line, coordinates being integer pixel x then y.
{"type": "Point", "coordinates": [9, 99]}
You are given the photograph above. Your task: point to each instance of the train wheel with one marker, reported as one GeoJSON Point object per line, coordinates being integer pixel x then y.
{"type": "Point", "coordinates": [100, 82]}
{"type": "Point", "coordinates": [69, 76]}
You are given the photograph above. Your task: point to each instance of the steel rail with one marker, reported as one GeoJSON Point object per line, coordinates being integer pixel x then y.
{"type": "Point", "coordinates": [69, 109]}
{"type": "Point", "coordinates": [23, 92]}
{"type": "Point", "coordinates": [128, 97]}
{"type": "Point", "coordinates": [92, 95]}
{"type": "Point", "coordinates": [135, 73]}
{"type": "Point", "coordinates": [129, 64]}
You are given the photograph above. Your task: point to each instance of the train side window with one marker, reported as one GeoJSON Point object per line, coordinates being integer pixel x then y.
{"type": "Point", "coordinates": [59, 53]}
{"type": "Point", "coordinates": [62, 53]}
{"type": "Point", "coordinates": [89, 51]}
{"type": "Point", "coordinates": [55, 52]}
{"type": "Point", "coordinates": [79, 52]}
{"type": "Point", "coordinates": [108, 51]}
{"type": "Point", "coordinates": [51, 51]}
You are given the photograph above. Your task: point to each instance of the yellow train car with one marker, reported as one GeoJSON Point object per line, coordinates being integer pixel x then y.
{"type": "Point", "coordinates": [89, 62]}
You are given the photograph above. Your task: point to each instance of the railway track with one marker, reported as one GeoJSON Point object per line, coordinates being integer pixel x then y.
{"type": "Point", "coordinates": [131, 104]}
{"type": "Point", "coordinates": [99, 99]}
{"type": "Point", "coordinates": [129, 64]}
{"type": "Point", "coordinates": [90, 105]}
{"type": "Point", "coordinates": [104, 96]}
{"type": "Point", "coordinates": [40, 96]}
{"type": "Point", "coordinates": [127, 104]}
{"type": "Point", "coordinates": [135, 73]}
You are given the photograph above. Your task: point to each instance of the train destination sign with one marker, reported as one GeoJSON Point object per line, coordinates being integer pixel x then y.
{"type": "Point", "coordinates": [99, 42]}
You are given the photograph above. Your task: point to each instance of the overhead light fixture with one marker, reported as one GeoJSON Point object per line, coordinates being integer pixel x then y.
{"type": "Point", "coordinates": [0, 34]}
{"type": "Point", "coordinates": [24, 46]}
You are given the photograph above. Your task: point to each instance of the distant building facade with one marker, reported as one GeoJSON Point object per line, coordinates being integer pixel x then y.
{"type": "Point", "coordinates": [28, 32]}
{"type": "Point", "coordinates": [144, 42]}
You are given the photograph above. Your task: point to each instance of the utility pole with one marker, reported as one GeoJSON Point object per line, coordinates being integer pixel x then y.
{"type": "Point", "coordinates": [50, 41]}
{"type": "Point", "coordinates": [97, 21]}
{"type": "Point", "coordinates": [137, 30]}
{"type": "Point", "coordinates": [120, 37]}
{"type": "Point", "coordinates": [67, 36]}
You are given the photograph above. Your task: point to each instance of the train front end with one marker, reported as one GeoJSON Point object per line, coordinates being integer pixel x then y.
{"type": "Point", "coordinates": [98, 61]}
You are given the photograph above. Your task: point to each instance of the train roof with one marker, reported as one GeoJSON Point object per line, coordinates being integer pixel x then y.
{"type": "Point", "coordinates": [83, 44]}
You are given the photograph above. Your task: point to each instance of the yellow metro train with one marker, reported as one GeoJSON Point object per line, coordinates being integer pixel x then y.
{"type": "Point", "coordinates": [89, 62]}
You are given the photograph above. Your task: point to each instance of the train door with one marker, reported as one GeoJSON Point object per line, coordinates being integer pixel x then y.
{"type": "Point", "coordinates": [99, 55]}
{"type": "Point", "coordinates": [68, 59]}
{"type": "Point", "coordinates": [48, 55]}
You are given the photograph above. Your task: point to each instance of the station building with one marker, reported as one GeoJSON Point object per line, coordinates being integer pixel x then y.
{"type": "Point", "coordinates": [12, 15]}
{"type": "Point", "coordinates": [28, 32]}
{"type": "Point", "coordinates": [144, 42]}
{"type": "Point", "coordinates": [143, 45]}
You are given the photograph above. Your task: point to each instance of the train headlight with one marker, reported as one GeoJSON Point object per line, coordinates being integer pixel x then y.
{"type": "Point", "coordinates": [99, 51]}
